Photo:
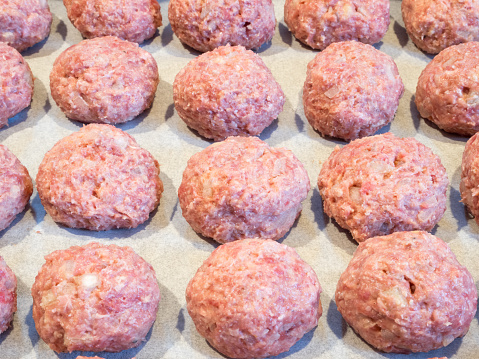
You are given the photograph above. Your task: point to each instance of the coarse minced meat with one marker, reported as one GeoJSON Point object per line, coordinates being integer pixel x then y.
{"type": "Point", "coordinates": [99, 178]}
{"type": "Point", "coordinates": [8, 295]}
{"type": "Point", "coordinates": [23, 23]}
{"type": "Point", "coordinates": [469, 186]}
{"type": "Point", "coordinates": [406, 292]}
{"type": "Point", "coordinates": [434, 25]}
{"type": "Point", "coordinates": [16, 83]}
{"type": "Point", "coordinates": [242, 188]}
{"type": "Point", "coordinates": [351, 90]}
{"type": "Point", "coordinates": [318, 23]}
{"type": "Point", "coordinates": [447, 90]}
{"type": "Point", "coordinates": [104, 80]}
{"type": "Point", "coordinates": [254, 298]}
{"type": "Point", "coordinates": [134, 21]}
{"type": "Point", "coordinates": [16, 187]}
{"type": "Point", "coordinates": [206, 25]}
{"type": "Point", "coordinates": [227, 92]}
{"type": "Point", "coordinates": [94, 298]}
{"type": "Point", "coordinates": [383, 184]}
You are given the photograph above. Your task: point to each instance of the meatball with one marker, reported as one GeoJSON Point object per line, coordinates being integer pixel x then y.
{"type": "Point", "coordinates": [470, 176]}
{"type": "Point", "coordinates": [254, 298]}
{"type": "Point", "coordinates": [406, 292]}
{"type": "Point", "coordinates": [320, 23]}
{"type": "Point", "coordinates": [99, 178]}
{"type": "Point", "coordinates": [227, 92]}
{"type": "Point", "coordinates": [383, 184]}
{"type": "Point", "coordinates": [206, 25]}
{"type": "Point", "coordinates": [434, 25]}
{"type": "Point", "coordinates": [135, 21]}
{"type": "Point", "coordinates": [104, 80]}
{"type": "Point", "coordinates": [242, 188]}
{"type": "Point", "coordinates": [447, 90]}
{"type": "Point", "coordinates": [23, 23]}
{"type": "Point", "coordinates": [94, 298]}
{"type": "Point", "coordinates": [8, 295]}
{"type": "Point", "coordinates": [16, 83]}
{"type": "Point", "coordinates": [351, 90]}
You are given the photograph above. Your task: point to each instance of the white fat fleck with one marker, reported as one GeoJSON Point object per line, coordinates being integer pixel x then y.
{"type": "Point", "coordinates": [90, 281]}
{"type": "Point", "coordinates": [121, 142]}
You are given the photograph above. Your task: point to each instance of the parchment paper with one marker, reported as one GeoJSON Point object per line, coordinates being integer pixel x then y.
{"type": "Point", "coordinates": [166, 240]}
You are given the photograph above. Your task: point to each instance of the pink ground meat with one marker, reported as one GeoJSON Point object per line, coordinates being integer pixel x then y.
{"type": "Point", "coordinates": [254, 298]}
{"type": "Point", "coordinates": [318, 23]}
{"type": "Point", "coordinates": [227, 92]}
{"type": "Point", "coordinates": [206, 25]}
{"type": "Point", "coordinates": [406, 292]}
{"type": "Point", "coordinates": [99, 178]}
{"type": "Point", "coordinates": [94, 298]}
{"type": "Point", "coordinates": [351, 90]}
{"type": "Point", "coordinates": [447, 90]}
{"type": "Point", "coordinates": [8, 295]}
{"type": "Point", "coordinates": [469, 185]}
{"type": "Point", "coordinates": [383, 184]}
{"type": "Point", "coordinates": [242, 188]}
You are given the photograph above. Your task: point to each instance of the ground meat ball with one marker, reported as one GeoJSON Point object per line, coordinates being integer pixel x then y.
{"type": "Point", "coordinates": [104, 80]}
{"type": "Point", "coordinates": [8, 295]}
{"type": "Point", "coordinates": [99, 178]}
{"type": "Point", "coordinates": [320, 23]}
{"type": "Point", "coordinates": [16, 83]}
{"type": "Point", "coordinates": [206, 25]}
{"type": "Point", "coordinates": [469, 185]}
{"type": "Point", "coordinates": [227, 92]}
{"type": "Point", "coordinates": [447, 91]}
{"type": "Point", "coordinates": [434, 25]}
{"type": "Point", "coordinates": [383, 184]}
{"type": "Point", "coordinates": [15, 187]}
{"type": "Point", "coordinates": [23, 23]}
{"type": "Point", "coordinates": [406, 292]}
{"type": "Point", "coordinates": [134, 21]}
{"type": "Point", "coordinates": [254, 298]}
{"type": "Point", "coordinates": [351, 90]}
{"type": "Point", "coordinates": [242, 188]}
{"type": "Point", "coordinates": [94, 298]}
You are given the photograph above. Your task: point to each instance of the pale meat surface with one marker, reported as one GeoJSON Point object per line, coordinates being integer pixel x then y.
{"type": "Point", "coordinates": [469, 185]}
{"type": "Point", "coordinates": [447, 91]}
{"type": "Point", "coordinates": [406, 292]}
{"type": "Point", "coordinates": [351, 90]}
{"type": "Point", "coordinates": [94, 298]}
{"type": "Point", "coordinates": [104, 80]}
{"type": "Point", "coordinates": [319, 23]}
{"type": "Point", "coordinates": [134, 21]}
{"type": "Point", "coordinates": [254, 298]}
{"type": "Point", "coordinates": [16, 83]}
{"type": "Point", "coordinates": [15, 187]}
{"type": "Point", "coordinates": [206, 25]}
{"type": "Point", "coordinates": [8, 295]}
{"type": "Point", "coordinates": [242, 188]}
{"type": "Point", "coordinates": [23, 23]}
{"type": "Point", "coordinates": [227, 92]}
{"type": "Point", "coordinates": [99, 178]}
{"type": "Point", "coordinates": [434, 25]}
{"type": "Point", "coordinates": [383, 184]}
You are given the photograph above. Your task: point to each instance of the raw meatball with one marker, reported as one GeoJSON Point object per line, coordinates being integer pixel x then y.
{"type": "Point", "coordinates": [254, 298]}
{"type": "Point", "coordinates": [227, 92]}
{"type": "Point", "coordinates": [94, 298]}
{"type": "Point", "coordinates": [134, 21]}
{"type": "Point", "coordinates": [447, 91]}
{"type": "Point", "coordinates": [406, 292]}
{"type": "Point", "coordinates": [104, 80]}
{"type": "Point", "coordinates": [434, 25]}
{"type": "Point", "coordinates": [206, 25]}
{"type": "Point", "coordinates": [15, 187]}
{"type": "Point", "coordinates": [383, 184]}
{"type": "Point", "coordinates": [242, 188]}
{"type": "Point", "coordinates": [99, 178]}
{"type": "Point", "coordinates": [318, 23]}
{"type": "Point", "coordinates": [469, 185]}
{"type": "Point", "coordinates": [351, 90]}
{"type": "Point", "coordinates": [8, 295]}
{"type": "Point", "coordinates": [16, 83]}
{"type": "Point", "coordinates": [23, 23]}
